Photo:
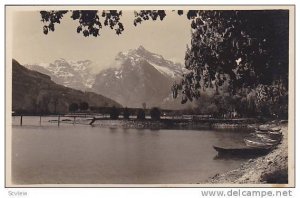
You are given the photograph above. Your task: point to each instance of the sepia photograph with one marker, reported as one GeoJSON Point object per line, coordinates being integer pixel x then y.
{"type": "Point", "coordinates": [149, 96]}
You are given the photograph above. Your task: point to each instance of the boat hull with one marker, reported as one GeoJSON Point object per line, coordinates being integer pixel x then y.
{"type": "Point", "coordinates": [258, 144]}
{"type": "Point", "coordinates": [243, 150]}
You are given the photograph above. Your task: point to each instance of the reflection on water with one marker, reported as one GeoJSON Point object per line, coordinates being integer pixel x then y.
{"type": "Point", "coordinates": [91, 155]}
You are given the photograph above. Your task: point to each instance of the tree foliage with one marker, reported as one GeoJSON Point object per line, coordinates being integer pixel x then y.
{"type": "Point", "coordinates": [250, 46]}
{"type": "Point", "coordinates": [50, 18]}
{"type": "Point", "coordinates": [144, 15]}
{"type": "Point", "coordinates": [83, 106]}
{"type": "Point", "coordinates": [73, 107]}
{"type": "Point", "coordinates": [141, 115]}
{"type": "Point", "coordinates": [114, 113]}
{"type": "Point", "coordinates": [90, 21]}
{"type": "Point", "coordinates": [155, 113]}
{"type": "Point", "coordinates": [248, 49]}
{"type": "Point", "coordinates": [126, 113]}
{"type": "Point", "coordinates": [272, 100]}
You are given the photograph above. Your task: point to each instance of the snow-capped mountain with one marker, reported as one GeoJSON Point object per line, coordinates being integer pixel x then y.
{"type": "Point", "coordinates": [33, 91]}
{"type": "Point", "coordinates": [74, 74]}
{"type": "Point", "coordinates": [164, 66]}
{"type": "Point", "coordinates": [138, 76]}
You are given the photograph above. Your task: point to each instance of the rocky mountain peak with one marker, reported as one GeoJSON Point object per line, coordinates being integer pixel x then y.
{"type": "Point", "coordinates": [138, 76]}
{"type": "Point", "coordinates": [74, 74]}
{"type": "Point", "coordinates": [140, 54]}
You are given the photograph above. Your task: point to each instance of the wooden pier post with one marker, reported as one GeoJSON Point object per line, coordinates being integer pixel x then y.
{"type": "Point", "coordinates": [21, 121]}
{"type": "Point", "coordinates": [40, 120]}
{"type": "Point", "coordinates": [58, 120]}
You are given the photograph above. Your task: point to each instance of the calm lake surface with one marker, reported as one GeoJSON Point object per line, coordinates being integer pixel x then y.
{"type": "Point", "coordinates": [81, 154]}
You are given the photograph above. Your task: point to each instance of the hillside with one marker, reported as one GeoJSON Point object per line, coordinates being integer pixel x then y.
{"type": "Point", "coordinates": [36, 92]}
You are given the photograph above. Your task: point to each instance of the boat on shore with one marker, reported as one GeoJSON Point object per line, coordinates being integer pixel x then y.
{"type": "Point", "coordinates": [261, 132]}
{"type": "Point", "coordinates": [258, 143]}
{"type": "Point", "coordinates": [262, 141]}
{"type": "Point", "coordinates": [241, 151]}
{"type": "Point", "coordinates": [268, 128]}
{"type": "Point", "coordinates": [276, 137]}
{"type": "Point", "coordinates": [274, 133]}
{"type": "Point", "coordinates": [265, 138]}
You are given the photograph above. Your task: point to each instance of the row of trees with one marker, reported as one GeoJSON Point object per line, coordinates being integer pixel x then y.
{"type": "Point", "coordinates": [155, 113]}
{"type": "Point", "coordinates": [264, 100]}
{"type": "Point", "coordinates": [82, 106]}
{"type": "Point", "coordinates": [115, 112]}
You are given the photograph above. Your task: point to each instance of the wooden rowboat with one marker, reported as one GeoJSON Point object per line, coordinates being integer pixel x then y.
{"type": "Point", "coordinates": [279, 133]}
{"type": "Point", "coordinates": [243, 150]}
{"type": "Point", "coordinates": [269, 136]}
{"type": "Point", "coordinates": [264, 138]}
{"type": "Point", "coordinates": [267, 128]}
{"type": "Point", "coordinates": [258, 143]}
{"type": "Point", "coordinates": [261, 132]}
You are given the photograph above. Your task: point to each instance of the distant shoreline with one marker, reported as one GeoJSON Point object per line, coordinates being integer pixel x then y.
{"type": "Point", "coordinates": [169, 124]}
{"type": "Point", "coordinates": [164, 123]}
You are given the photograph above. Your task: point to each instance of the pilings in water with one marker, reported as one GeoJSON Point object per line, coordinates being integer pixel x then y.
{"type": "Point", "coordinates": [39, 119]}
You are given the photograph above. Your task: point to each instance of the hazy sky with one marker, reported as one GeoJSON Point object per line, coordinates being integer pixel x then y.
{"type": "Point", "coordinates": [168, 38]}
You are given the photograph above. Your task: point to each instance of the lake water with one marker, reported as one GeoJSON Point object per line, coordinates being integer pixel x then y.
{"type": "Point", "coordinates": [81, 154]}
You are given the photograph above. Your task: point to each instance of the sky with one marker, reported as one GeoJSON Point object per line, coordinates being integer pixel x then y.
{"type": "Point", "coordinates": [30, 46]}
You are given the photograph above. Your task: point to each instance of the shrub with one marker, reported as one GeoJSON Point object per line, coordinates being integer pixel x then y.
{"type": "Point", "coordinates": [114, 113]}
{"type": "Point", "coordinates": [141, 114]}
{"type": "Point", "coordinates": [83, 106]}
{"type": "Point", "coordinates": [155, 113]}
{"type": "Point", "coordinates": [126, 113]}
{"type": "Point", "coordinates": [73, 107]}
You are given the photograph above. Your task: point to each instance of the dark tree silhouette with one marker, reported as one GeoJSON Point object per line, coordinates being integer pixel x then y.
{"type": "Point", "coordinates": [92, 21]}
{"type": "Point", "coordinates": [114, 113]}
{"type": "Point", "coordinates": [83, 106]}
{"type": "Point", "coordinates": [141, 114]}
{"type": "Point", "coordinates": [144, 15]}
{"type": "Point", "coordinates": [50, 18]}
{"type": "Point", "coordinates": [126, 113]}
{"type": "Point", "coordinates": [55, 102]}
{"type": "Point", "coordinates": [249, 47]}
{"type": "Point", "coordinates": [155, 113]}
{"type": "Point", "coordinates": [73, 107]}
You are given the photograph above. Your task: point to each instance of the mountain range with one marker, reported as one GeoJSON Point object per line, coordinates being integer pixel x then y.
{"type": "Point", "coordinates": [33, 92]}
{"type": "Point", "coordinates": [73, 74]}
{"type": "Point", "coordinates": [135, 77]}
